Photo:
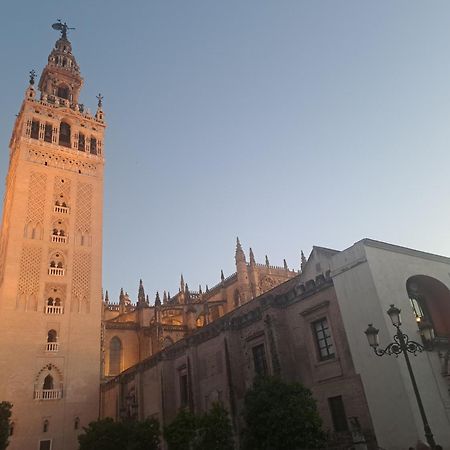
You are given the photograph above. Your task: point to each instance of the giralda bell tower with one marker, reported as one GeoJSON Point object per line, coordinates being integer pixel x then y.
{"type": "Point", "coordinates": [51, 260]}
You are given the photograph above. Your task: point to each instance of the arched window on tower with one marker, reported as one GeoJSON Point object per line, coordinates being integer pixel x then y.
{"type": "Point", "coordinates": [81, 142]}
{"type": "Point", "coordinates": [52, 341]}
{"type": "Point", "coordinates": [48, 132]}
{"type": "Point", "coordinates": [63, 91]}
{"type": "Point", "coordinates": [115, 356]}
{"type": "Point", "coordinates": [34, 129]}
{"type": "Point", "coordinates": [48, 383]}
{"type": "Point", "coordinates": [93, 146]}
{"type": "Point", "coordinates": [64, 134]}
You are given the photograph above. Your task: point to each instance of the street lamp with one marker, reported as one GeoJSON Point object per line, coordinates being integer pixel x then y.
{"type": "Point", "coordinates": [402, 344]}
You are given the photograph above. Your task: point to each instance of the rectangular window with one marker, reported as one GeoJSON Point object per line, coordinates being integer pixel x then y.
{"type": "Point", "coordinates": [259, 359]}
{"type": "Point", "coordinates": [35, 129]}
{"type": "Point", "coordinates": [338, 413]}
{"type": "Point", "coordinates": [183, 390]}
{"type": "Point", "coordinates": [45, 445]}
{"type": "Point", "coordinates": [323, 339]}
{"type": "Point", "coordinates": [48, 133]}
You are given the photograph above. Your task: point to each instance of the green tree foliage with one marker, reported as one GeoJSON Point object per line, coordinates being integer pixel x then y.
{"type": "Point", "coordinates": [281, 415]}
{"type": "Point", "coordinates": [211, 430]}
{"type": "Point", "coordinates": [215, 430]}
{"type": "Point", "coordinates": [105, 434]}
{"type": "Point", "coordinates": [143, 435]}
{"type": "Point", "coordinates": [180, 433]}
{"type": "Point", "coordinates": [5, 415]}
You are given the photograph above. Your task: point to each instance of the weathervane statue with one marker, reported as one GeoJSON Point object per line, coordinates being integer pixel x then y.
{"type": "Point", "coordinates": [63, 27]}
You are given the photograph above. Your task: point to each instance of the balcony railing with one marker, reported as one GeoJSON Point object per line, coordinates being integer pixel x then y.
{"type": "Point", "coordinates": [52, 346]}
{"type": "Point", "coordinates": [54, 309]}
{"type": "Point", "coordinates": [48, 394]}
{"type": "Point", "coordinates": [61, 209]}
{"type": "Point", "coordinates": [56, 271]}
{"type": "Point", "coordinates": [59, 239]}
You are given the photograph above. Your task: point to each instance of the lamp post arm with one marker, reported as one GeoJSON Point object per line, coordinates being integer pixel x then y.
{"type": "Point", "coordinates": [404, 346]}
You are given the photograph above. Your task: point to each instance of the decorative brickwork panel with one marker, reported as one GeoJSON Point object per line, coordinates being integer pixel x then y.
{"type": "Point", "coordinates": [83, 208]}
{"type": "Point", "coordinates": [53, 159]}
{"type": "Point", "coordinates": [81, 282]}
{"type": "Point", "coordinates": [36, 198]}
{"type": "Point", "coordinates": [29, 277]}
{"type": "Point", "coordinates": [61, 190]}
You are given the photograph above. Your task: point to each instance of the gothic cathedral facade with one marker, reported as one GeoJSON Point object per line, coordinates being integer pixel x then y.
{"type": "Point", "coordinates": [51, 260]}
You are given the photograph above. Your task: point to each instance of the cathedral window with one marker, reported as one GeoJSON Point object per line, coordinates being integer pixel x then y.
{"type": "Point", "coordinates": [76, 423]}
{"type": "Point", "coordinates": [48, 133]}
{"type": "Point", "coordinates": [93, 146]}
{"type": "Point", "coordinates": [64, 134]}
{"type": "Point", "coordinates": [81, 142]}
{"type": "Point", "coordinates": [45, 426]}
{"type": "Point", "coordinates": [184, 389]}
{"type": "Point", "coordinates": [259, 359]}
{"type": "Point", "coordinates": [34, 129]}
{"type": "Point", "coordinates": [115, 356]}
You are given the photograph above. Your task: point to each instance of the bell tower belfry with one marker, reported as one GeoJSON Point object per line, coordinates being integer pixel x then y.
{"type": "Point", "coordinates": [51, 260]}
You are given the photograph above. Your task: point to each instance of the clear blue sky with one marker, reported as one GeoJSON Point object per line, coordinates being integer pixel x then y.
{"type": "Point", "coordinates": [288, 123]}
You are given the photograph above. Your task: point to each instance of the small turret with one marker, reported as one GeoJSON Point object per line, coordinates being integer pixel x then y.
{"type": "Point", "coordinates": [222, 277]}
{"type": "Point", "coordinates": [285, 265]}
{"type": "Point", "coordinates": [267, 261]}
{"type": "Point", "coordinates": [164, 297]}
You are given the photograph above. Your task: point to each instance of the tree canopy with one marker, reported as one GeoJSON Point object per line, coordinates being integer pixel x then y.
{"type": "Point", "coordinates": [106, 434]}
{"type": "Point", "coordinates": [5, 424]}
{"type": "Point", "coordinates": [210, 430]}
{"type": "Point", "coordinates": [281, 415]}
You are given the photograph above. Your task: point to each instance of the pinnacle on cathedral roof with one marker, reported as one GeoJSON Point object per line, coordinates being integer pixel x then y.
{"type": "Point", "coordinates": [222, 277]}
{"type": "Point", "coordinates": [252, 257]}
{"type": "Point", "coordinates": [303, 260]}
{"type": "Point", "coordinates": [240, 255]}
{"type": "Point", "coordinates": [267, 261]}
{"type": "Point", "coordinates": [141, 295]}
{"type": "Point", "coordinates": [157, 299]}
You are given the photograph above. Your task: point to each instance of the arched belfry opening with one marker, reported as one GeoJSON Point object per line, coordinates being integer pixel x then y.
{"type": "Point", "coordinates": [430, 302]}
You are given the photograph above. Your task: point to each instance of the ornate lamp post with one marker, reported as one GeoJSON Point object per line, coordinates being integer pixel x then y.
{"type": "Point", "coordinates": [402, 344]}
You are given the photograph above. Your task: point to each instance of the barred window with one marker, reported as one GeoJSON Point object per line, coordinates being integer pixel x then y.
{"type": "Point", "coordinates": [324, 342]}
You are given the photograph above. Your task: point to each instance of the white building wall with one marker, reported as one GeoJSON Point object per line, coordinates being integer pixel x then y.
{"type": "Point", "coordinates": [368, 277]}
